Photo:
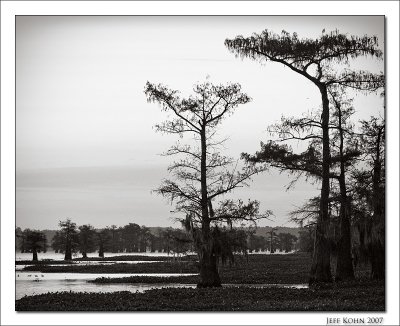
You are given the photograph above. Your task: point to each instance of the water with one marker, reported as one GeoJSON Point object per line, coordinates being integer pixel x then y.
{"type": "Point", "coordinates": [38, 283]}
{"type": "Point", "coordinates": [21, 267]}
{"type": "Point", "coordinates": [57, 256]}
{"type": "Point", "coordinates": [31, 283]}
{"type": "Point", "coordinates": [33, 288]}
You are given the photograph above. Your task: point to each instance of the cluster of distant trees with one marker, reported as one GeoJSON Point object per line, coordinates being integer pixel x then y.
{"type": "Point", "coordinates": [272, 242]}
{"type": "Point", "coordinates": [72, 239]}
{"type": "Point", "coordinates": [84, 239]}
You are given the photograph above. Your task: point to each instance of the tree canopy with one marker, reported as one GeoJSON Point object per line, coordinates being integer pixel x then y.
{"type": "Point", "coordinates": [315, 59]}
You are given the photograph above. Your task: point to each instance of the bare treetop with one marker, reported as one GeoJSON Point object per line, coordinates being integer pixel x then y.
{"type": "Point", "coordinates": [207, 107]}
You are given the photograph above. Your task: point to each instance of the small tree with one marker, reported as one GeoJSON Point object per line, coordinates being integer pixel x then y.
{"type": "Point", "coordinates": [69, 237]}
{"type": "Point", "coordinates": [34, 241]}
{"type": "Point", "coordinates": [144, 238]}
{"type": "Point", "coordinates": [286, 241]}
{"type": "Point", "coordinates": [103, 241]}
{"type": "Point", "coordinates": [116, 241]}
{"type": "Point", "coordinates": [180, 241]}
{"type": "Point", "coordinates": [87, 241]}
{"type": "Point", "coordinates": [19, 239]}
{"type": "Point", "coordinates": [255, 242]}
{"type": "Point", "coordinates": [130, 237]}
{"type": "Point", "coordinates": [321, 62]}
{"type": "Point", "coordinates": [203, 174]}
{"type": "Point", "coordinates": [306, 240]}
{"type": "Point", "coordinates": [57, 242]}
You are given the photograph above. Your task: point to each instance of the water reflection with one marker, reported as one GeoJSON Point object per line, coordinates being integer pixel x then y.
{"type": "Point", "coordinates": [77, 285]}
{"type": "Point", "coordinates": [21, 267]}
{"type": "Point", "coordinates": [31, 283]}
{"type": "Point", "coordinates": [58, 256]}
{"type": "Point", "coordinates": [39, 283]}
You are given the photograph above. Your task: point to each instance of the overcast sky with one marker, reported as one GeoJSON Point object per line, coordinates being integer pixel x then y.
{"type": "Point", "coordinates": [85, 144]}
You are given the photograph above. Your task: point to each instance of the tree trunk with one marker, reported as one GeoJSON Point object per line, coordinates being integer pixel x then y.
{"type": "Point", "coordinates": [68, 251]}
{"type": "Point", "coordinates": [344, 264]}
{"type": "Point", "coordinates": [101, 251]}
{"type": "Point", "coordinates": [377, 251]}
{"type": "Point", "coordinates": [84, 254]}
{"type": "Point", "coordinates": [34, 255]}
{"type": "Point", "coordinates": [209, 276]}
{"type": "Point", "coordinates": [377, 261]}
{"type": "Point", "coordinates": [321, 265]}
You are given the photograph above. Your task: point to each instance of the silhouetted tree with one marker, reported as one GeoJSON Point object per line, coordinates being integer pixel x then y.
{"type": "Point", "coordinates": [272, 240]}
{"type": "Point", "coordinates": [116, 241]}
{"type": "Point", "coordinates": [87, 241]}
{"type": "Point", "coordinates": [256, 242]}
{"type": "Point", "coordinates": [68, 237]}
{"type": "Point", "coordinates": [318, 60]}
{"type": "Point", "coordinates": [57, 242]}
{"type": "Point", "coordinates": [103, 241]}
{"type": "Point", "coordinates": [203, 174]}
{"type": "Point", "coordinates": [179, 241]}
{"type": "Point", "coordinates": [131, 237]}
{"type": "Point", "coordinates": [286, 241]}
{"type": "Point", "coordinates": [34, 241]}
{"type": "Point", "coordinates": [144, 238]}
{"type": "Point", "coordinates": [370, 195]}
{"type": "Point", "coordinates": [345, 151]}
{"type": "Point", "coordinates": [306, 240]}
{"type": "Point", "coordinates": [19, 239]}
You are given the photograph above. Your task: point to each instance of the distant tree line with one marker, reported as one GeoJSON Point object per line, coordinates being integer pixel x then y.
{"type": "Point", "coordinates": [273, 242]}
{"type": "Point", "coordinates": [125, 239]}
{"type": "Point", "coordinates": [72, 239]}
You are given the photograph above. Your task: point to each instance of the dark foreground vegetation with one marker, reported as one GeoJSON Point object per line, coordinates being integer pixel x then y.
{"type": "Point", "coordinates": [354, 296]}
{"type": "Point", "coordinates": [253, 269]}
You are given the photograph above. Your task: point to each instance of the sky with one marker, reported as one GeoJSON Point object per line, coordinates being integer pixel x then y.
{"type": "Point", "coordinates": [86, 148]}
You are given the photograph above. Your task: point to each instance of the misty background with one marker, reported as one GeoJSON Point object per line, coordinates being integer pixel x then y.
{"type": "Point", "coordinates": [85, 144]}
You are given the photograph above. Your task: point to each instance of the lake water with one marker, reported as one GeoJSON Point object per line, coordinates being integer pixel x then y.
{"type": "Point", "coordinates": [21, 267]}
{"type": "Point", "coordinates": [31, 283]}
{"type": "Point", "coordinates": [57, 256]}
